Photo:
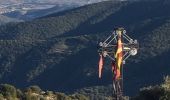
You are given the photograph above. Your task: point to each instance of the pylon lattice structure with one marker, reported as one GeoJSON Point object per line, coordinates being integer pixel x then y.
{"type": "Point", "coordinates": [118, 47]}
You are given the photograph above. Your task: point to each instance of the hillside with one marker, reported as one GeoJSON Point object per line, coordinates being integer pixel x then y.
{"type": "Point", "coordinates": [31, 9]}
{"type": "Point", "coordinates": [5, 19]}
{"type": "Point", "coordinates": [59, 51]}
{"type": "Point", "coordinates": [36, 10]}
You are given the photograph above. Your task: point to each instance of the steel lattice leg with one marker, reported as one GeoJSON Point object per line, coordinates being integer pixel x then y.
{"type": "Point", "coordinates": [117, 89]}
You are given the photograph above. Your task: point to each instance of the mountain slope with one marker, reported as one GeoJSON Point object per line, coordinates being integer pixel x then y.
{"type": "Point", "coordinates": [80, 2]}
{"type": "Point", "coordinates": [59, 51]}
{"type": "Point", "coordinates": [46, 27]}
{"type": "Point", "coordinates": [5, 19]}
{"type": "Point", "coordinates": [32, 11]}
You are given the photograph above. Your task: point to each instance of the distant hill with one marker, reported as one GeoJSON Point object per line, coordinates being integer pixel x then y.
{"type": "Point", "coordinates": [36, 13]}
{"type": "Point", "coordinates": [31, 9]}
{"type": "Point", "coordinates": [50, 1]}
{"type": "Point", "coordinates": [59, 51]}
{"type": "Point", "coordinates": [5, 19]}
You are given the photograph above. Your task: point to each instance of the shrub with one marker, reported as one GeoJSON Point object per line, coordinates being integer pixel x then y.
{"type": "Point", "coordinates": [8, 90]}
{"type": "Point", "coordinates": [34, 89]}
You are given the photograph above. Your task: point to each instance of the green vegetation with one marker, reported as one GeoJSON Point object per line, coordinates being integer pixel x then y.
{"type": "Point", "coordinates": [57, 24]}
{"type": "Point", "coordinates": [9, 92]}
{"type": "Point", "coordinates": [59, 51]}
{"type": "Point", "coordinates": [158, 92]}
